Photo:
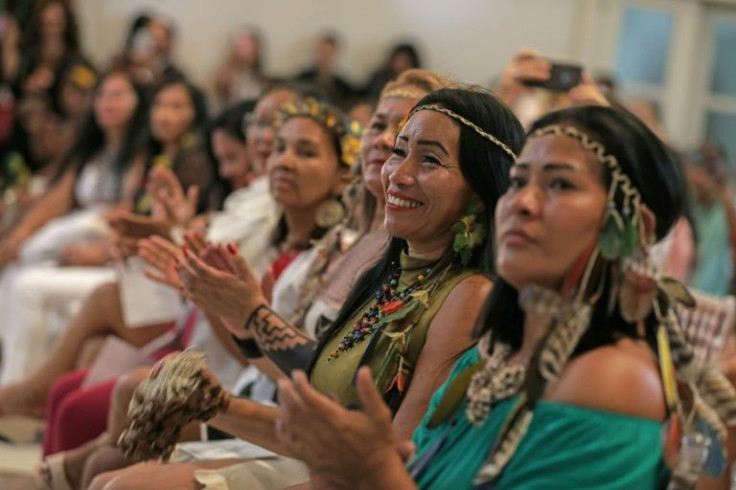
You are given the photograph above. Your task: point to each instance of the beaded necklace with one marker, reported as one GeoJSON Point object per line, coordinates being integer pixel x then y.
{"type": "Point", "coordinates": [389, 300]}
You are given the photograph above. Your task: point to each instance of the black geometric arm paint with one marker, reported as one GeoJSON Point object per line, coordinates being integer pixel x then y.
{"type": "Point", "coordinates": [286, 346]}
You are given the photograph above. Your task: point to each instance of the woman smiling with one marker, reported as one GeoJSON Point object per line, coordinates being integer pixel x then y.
{"type": "Point", "coordinates": [411, 314]}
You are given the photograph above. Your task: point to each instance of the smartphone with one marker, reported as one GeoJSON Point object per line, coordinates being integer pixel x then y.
{"type": "Point", "coordinates": [562, 78]}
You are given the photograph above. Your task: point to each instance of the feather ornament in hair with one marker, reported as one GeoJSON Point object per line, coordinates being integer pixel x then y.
{"type": "Point", "coordinates": [568, 328]}
{"type": "Point", "coordinates": [716, 391]}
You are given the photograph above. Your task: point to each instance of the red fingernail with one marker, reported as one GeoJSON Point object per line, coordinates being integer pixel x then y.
{"type": "Point", "coordinates": [231, 248]}
{"type": "Point", "coordinates": [186, 252]}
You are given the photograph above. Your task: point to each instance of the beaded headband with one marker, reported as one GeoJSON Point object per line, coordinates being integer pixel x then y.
{"type": "Point", "coordinates": [403, 93]}
{"type": "Point", "coordinates": [331, 119]}
{"type": "Point", "coordinates": [466, 122]}
{"type": "Point", "coordinates": [622, 230]}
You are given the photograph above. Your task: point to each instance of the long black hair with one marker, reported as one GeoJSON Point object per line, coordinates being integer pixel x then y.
{"type": "Point", "coordinates": [230, 120]}
{"type": "Point", "coordinates": [651, 168]}
{"type": "Point", "coordinates": [91, 138]}
{"type": "Point", "coordinates": [191, 163]}
{"type": "Point", "coordinates": [152, 146]}
{"type": "Point", "coordinates": [32, 38]}
{"type": "Point", "coordinates": [485, 168]}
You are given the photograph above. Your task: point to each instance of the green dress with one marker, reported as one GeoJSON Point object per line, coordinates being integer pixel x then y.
{"type": "Point", "coordinates": [336, 376]}
{"type": "Point", "coordinates": [565, 447]}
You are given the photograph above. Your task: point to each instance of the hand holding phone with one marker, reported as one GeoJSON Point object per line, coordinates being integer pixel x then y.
{"type": "Point", "coordinates": [587, 93]}
{"type": "Point", "coordinates": [562, 78]}
{"type": "Point", "coordinates": [528, 64]}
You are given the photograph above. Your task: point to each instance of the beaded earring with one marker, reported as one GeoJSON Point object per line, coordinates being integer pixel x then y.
{"type": "Point", "coordinates": [470, 231]}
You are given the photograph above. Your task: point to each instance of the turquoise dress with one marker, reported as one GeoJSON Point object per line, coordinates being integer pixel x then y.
{"type": "Point", "coordinates": [565, 447]}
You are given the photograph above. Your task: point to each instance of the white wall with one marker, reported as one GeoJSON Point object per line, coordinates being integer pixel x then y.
{"type": "Point", "coordinates": [470, 39]}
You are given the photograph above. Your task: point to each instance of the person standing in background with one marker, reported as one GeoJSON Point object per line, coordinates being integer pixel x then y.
{"type": "Point", "coordinates": [323, 73]}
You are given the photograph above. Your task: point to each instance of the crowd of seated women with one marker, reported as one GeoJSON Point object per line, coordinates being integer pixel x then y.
{"type": "Point", "coordinates": [421, 283]}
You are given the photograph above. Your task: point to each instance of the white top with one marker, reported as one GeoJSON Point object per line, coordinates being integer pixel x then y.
{"type": "Point", "coordinates": [249, 217]}
{"type": "Point", "coordinates": [287, 290]}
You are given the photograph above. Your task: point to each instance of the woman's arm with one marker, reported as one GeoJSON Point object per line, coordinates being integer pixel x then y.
{"type": "Point", "coordinates": [251, 422]}
{"type": "Point", "coordinates": [264, 364]}
{"type": "Point", "coordinates": [233, 293]}
{"type": "Point", "coordinates": [56, 202]}
{"type": "Point", "coordinates": [223, 336]}
{"type": "Point", "coordinates": [282, 343]}
{"type": "Point", "coordinates": [449, 335]}
{"type": "Point", "coordinates": [390, 474]}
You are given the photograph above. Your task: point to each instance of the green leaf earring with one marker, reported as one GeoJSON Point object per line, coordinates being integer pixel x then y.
{"type": "Point", "coordinates": [469, 232]}
{"type": "Point", "coordinates": [612, 235]}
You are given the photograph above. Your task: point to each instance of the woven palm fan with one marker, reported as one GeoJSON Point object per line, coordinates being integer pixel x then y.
{"type": "Point", "coordinates": [181, 393]}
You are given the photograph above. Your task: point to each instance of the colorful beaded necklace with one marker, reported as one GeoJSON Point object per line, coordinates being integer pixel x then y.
{"type": "Point", "coordinates": [389, 300]}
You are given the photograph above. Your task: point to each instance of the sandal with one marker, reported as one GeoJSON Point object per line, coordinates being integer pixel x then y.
{"type": "Point", "coordinates": [51, 474]}
{"type": "Point", "coordinates": [21, 429]}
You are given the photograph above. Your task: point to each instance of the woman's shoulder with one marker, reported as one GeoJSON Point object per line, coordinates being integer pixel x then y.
{"type": "Point", "coordinates": [621, 378]}
{"type": "Point", "coordinates": [457, 314]}
{"type": "Point", "coordinates": [465, 295]}
{"type": "Point", "coordinates": [470, 286]}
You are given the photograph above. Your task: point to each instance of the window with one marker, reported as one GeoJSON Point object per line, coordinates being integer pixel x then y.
{"type": "Point", "coordinates": [644, 46]}
{"type": "Point", "coordinates": [719, 111]}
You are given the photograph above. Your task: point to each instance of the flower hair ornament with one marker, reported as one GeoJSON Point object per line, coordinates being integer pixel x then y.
{"type": "Point", "coordinates": [348, 133]}
{"type": "Point", "coordinates": [621, 257]}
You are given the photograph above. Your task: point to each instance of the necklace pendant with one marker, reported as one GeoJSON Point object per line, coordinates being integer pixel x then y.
{"type": "Point", "coordinates": [389, 300]}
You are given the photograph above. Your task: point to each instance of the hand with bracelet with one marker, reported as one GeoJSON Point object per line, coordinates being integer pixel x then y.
{"type": "Point", "coordinates": [222, 284]}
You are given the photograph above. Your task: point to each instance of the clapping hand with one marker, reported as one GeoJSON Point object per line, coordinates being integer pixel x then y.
{"type": "Point", "coordinates": [169, 198]}
{"type": "Point", "coordinates": [340, 445]}
{"type": "Point", "coordinates": [163, 257]}
{"type": "Point", "coordinates": [135, 226]}
{"type": "Point", "coordinates": [221, 283]}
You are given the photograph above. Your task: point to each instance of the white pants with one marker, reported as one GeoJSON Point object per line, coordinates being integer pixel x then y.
{"type": "Point", "coordinates": [39, 300]}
